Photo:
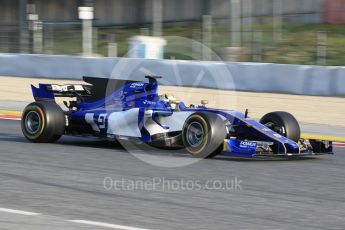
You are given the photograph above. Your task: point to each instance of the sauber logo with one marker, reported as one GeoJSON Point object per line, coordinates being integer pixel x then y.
{"type": "Point", "coordinates": [246, 144]}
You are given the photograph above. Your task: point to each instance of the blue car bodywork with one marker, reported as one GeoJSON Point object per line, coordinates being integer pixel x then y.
{"type": "Point", "coordinates": [136, 110]}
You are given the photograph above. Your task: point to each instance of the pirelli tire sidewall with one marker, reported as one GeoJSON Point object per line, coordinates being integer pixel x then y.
{"type": "Point", "coordinates": [52, 122]}
{"type": "Point", "coordinates": [214, 134]}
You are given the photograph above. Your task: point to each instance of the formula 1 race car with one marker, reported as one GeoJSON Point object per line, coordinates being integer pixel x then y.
{"type": "Point", "coordinates": [135, 110]}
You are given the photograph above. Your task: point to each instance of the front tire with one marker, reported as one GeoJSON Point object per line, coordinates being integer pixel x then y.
{"type": "Point", "coordinates": [43, 122]}
{"type": "Point", "coordinates": [203, 135]}
{"type": "Point", "coordinates": [283, 123]}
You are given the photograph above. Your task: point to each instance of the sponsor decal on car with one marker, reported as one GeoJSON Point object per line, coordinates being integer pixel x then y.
{"type": "Point", "coordinates": [137, 85]}
{"type": "Point", "coordinates": [146, 102]}
{"type": "Point", "coordinates": [246, 144]}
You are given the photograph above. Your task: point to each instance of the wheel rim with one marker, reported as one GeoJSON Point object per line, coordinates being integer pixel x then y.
{"type": "Point", "coordinates": [195, 134]}
{"type": "Point", "coordinates": [276, 128]}
{"type": "Point", "coordinates": [32, 122]}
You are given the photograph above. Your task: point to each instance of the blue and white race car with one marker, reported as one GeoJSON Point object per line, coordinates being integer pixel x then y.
{"type": "Point", "coordinates": [135, 111]}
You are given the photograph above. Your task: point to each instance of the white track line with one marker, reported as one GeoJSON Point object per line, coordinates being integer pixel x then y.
{"type": "Point", "coordinates": [19, 212]}
{"type": "Point", "coordinates": [8, 118]}
{"type": "Point", "coordinates": [106, 225]}
{"type": "Point", "coordinates": [339, 145]}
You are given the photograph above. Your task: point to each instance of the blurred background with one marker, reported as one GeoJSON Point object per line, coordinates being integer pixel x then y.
{"type": "Point", "coordinates": [275, 31]}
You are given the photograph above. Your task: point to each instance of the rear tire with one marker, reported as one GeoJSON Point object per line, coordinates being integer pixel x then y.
{"type": "Point", "coordinates": [283, 123]}
{"type": "Point", "coordinates": [43, 122]}
{"type": "Point", "coordinates": [203, 135]}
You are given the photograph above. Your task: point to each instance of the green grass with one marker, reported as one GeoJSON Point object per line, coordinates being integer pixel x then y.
{"type": "Point", "coordinates": [297, 46]}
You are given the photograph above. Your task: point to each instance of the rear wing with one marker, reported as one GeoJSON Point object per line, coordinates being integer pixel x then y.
{"type": "Point", "coordinates": [48, 92]}
{"type": "Point", "coordinates": [96, 90]}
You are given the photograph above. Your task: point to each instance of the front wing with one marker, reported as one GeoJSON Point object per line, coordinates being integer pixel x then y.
{"type": "Point", "coordinates": [233, 147]}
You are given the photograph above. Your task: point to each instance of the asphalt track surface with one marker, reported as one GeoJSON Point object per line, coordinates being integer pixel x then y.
{"type": "Point", "coordinates": [45, 186]}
